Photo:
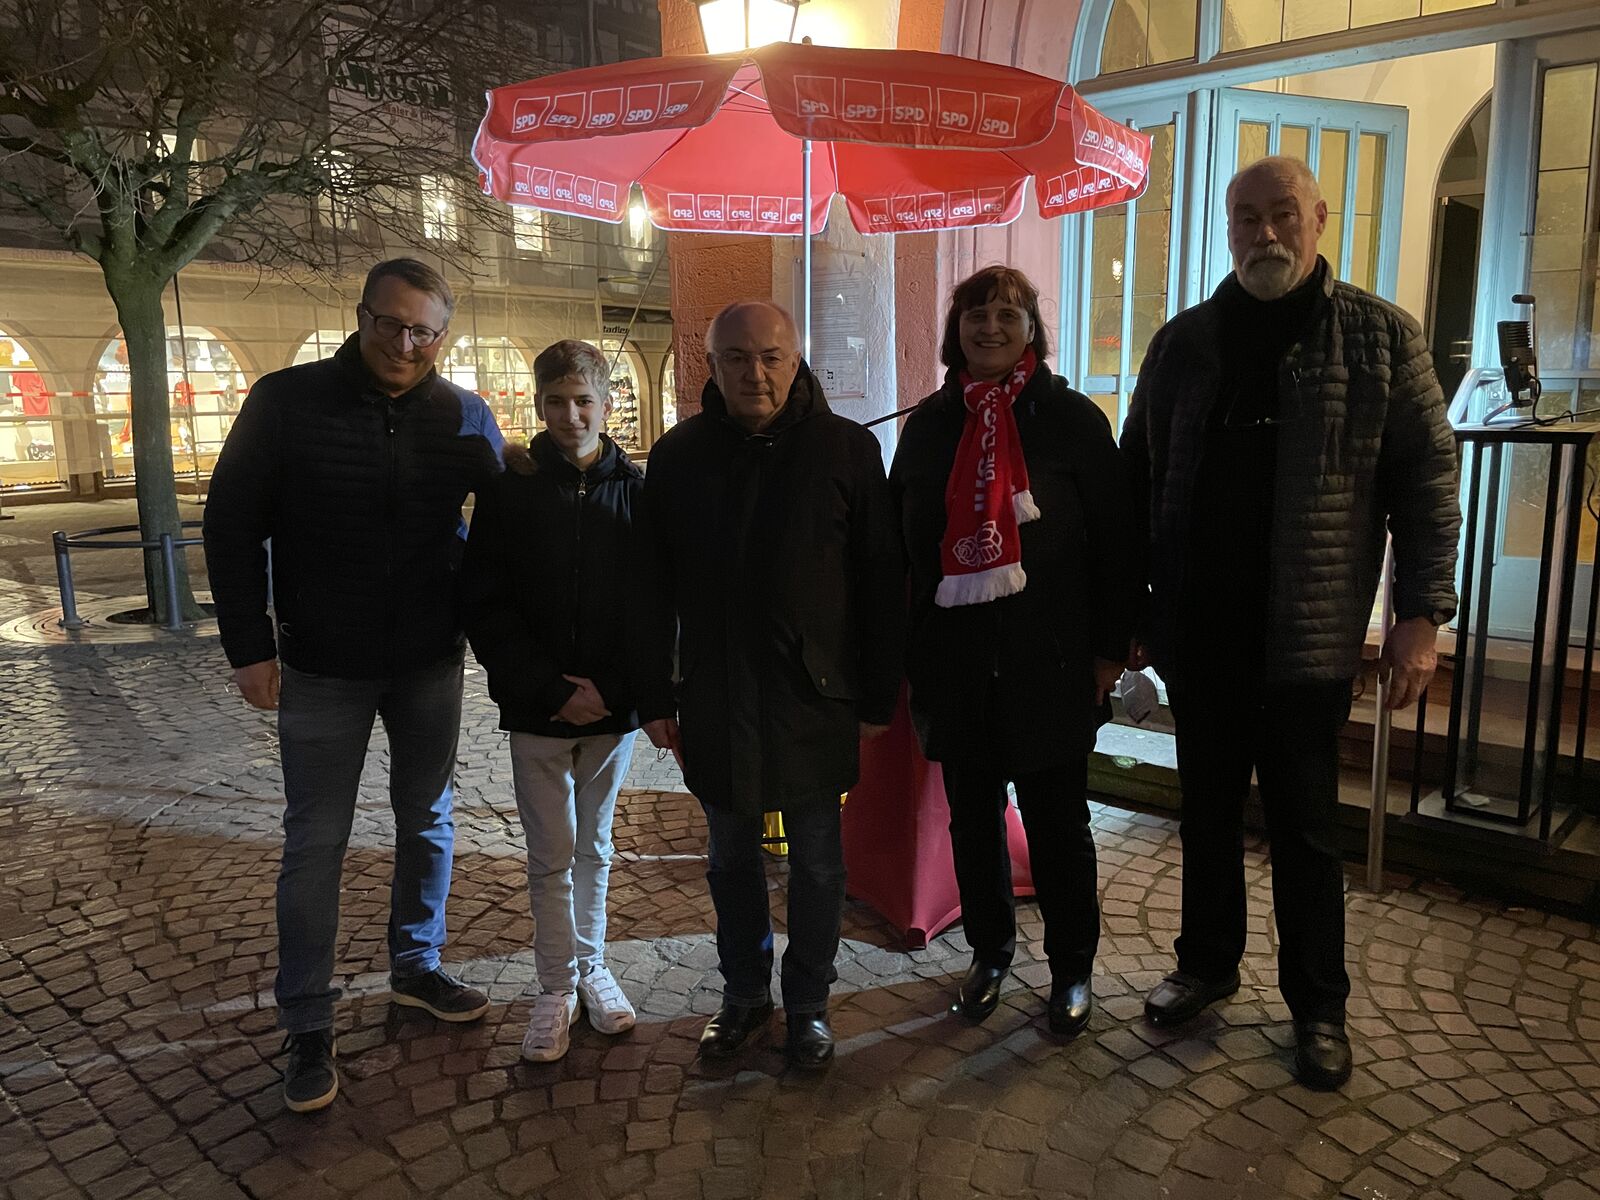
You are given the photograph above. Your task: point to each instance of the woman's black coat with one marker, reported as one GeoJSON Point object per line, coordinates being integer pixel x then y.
{"type": "Point", "coordinates": [1010, 683]}
{"type": "Point", "coordinates": [775, 560]}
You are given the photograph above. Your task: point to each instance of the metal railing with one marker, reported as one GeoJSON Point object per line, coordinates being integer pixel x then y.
{"type": "Point", "coordinates": [96, 539]}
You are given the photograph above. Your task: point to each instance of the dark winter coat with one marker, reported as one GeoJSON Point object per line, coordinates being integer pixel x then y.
{"type": "Point", "coordinates": [1362, 441]}
{"type": "Point", "coordinates": [547, 584]}
{"type": "Point", "coordinates": [361, 496]}
{"type": "Point", "coordinates": [775, 559]}
{"type": "Point", "coordinates": [1011, 682]}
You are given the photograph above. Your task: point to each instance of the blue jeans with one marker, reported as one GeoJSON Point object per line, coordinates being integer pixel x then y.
{"type": "Point", "coordinates": [738, 880]}
{"type": "Point", "coordinates": [324, 725]}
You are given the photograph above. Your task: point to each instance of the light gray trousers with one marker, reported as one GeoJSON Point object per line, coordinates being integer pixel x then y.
{"type": "Point", "coordinates": [566, 795]}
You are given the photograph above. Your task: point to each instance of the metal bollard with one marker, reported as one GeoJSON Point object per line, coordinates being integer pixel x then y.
{"type": "Point", "coordinates": [69, 598]}
{"type": "Point", "coordinates": [169, 567]}
{"type": "Point", "coordinates": [1378, 815]}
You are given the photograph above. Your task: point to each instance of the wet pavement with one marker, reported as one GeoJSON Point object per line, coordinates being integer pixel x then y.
{"type": "Point", "coordinates": [139, 814]}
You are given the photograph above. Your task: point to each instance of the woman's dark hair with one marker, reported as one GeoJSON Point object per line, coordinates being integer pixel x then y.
{"type": "Point", "coordinates": [991, 283]}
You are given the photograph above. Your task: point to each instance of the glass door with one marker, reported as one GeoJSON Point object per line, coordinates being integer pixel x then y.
{"type": "Point", "coordinates": [1358, 153]}
{"type": "Point", "coordinates": [1129, 280]}
{"type": "Point", "coordinates": [1564, 277]}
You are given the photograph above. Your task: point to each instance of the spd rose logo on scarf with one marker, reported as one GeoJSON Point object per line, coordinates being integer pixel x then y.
{"type": "Point", "coordinates": [987, 499]}
{"type": "Point", "coordinates": [982, 548]}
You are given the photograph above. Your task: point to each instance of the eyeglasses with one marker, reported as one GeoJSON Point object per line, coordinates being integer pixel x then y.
{"type": "Point", "coordinates": [738, 360]}
{"type": "Point", "coordinates": [390, 328]}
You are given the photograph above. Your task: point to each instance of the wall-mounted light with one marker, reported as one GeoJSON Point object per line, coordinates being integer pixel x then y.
{"type": "Point", "coordinates": [745, 24]}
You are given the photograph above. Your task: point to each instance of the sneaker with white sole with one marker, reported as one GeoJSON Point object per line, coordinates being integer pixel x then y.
{"type": "Point", "coordinates": [609, 1010]}
{"type": "Point", "coordinates": [550, 1027]}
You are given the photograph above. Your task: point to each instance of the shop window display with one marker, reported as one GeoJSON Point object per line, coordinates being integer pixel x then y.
{"type": "Point", "coordinates": [623, 423]}
{"type": "Point", "coordinates": [27, 440]}
{"type": "Point", "coordinates": [499, 372]}
{"type": "Point", "coordinates": [205, 384]}
{"type": "Point", "coordinates": [669, 395]}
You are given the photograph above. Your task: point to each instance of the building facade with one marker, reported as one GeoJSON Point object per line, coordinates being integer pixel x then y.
{"type": "Point", "coordinates": [64, 428]}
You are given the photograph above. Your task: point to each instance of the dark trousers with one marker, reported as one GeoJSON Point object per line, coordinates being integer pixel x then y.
{"type": "Point", "coordinates": [324, 726]}
{"type": "Point", "coordinates": [1055, 814]}
{"type": "Point", "coordinates": [737, 875]}
{"type": "Point", "coordinates": [1289, 736]}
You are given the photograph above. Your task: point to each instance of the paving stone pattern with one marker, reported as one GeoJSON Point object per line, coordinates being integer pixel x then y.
{"type": "Point", "coordinates": [139, 815]}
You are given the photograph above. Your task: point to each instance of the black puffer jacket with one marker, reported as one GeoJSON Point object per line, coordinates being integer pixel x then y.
{"type": "Point", "coordinates": [547, 584]}
{"type": "Point", "coordinates": [775, 559]}
{"type": "Point", "coordinates": [1011, 682]}
{"type": "Point", "coordinates": [361, 496]}
{"type": "Point", "coordinates": [1362, 442]}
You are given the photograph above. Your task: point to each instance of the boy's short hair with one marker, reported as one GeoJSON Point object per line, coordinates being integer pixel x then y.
{"type": "Point", "coordinates": [571, 357]}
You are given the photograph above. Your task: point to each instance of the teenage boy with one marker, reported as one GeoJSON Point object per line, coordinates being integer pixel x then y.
{"type": "Point", "coordinates": [546, 592]}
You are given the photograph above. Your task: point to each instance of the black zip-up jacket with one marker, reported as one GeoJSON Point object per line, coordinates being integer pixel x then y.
{"type": "Point", "coordinates": [773, 563]}
{"type": "Point", "coordinates": [1363, 443]}
{"type": "Point", "coordinates": [361, 496]}
{"type": "Point", "coordinates": [547, 588]}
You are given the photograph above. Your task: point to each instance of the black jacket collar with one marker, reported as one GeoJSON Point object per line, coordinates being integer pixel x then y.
{"type": "Point", "coordinates": [806, 399]}
{"type": "Point", "coordinates": [547, 456]}
{"type": "Point", "coordinates": [354, 368]}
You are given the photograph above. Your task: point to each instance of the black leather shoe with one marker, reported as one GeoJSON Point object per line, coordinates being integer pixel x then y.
{"type": "Point", "coordinates": [1181, 996]}
{"type": "Point", "coordinates": [810, 1040]}
{"type": "Point", "coordinates": [1070, 1006]}
{"type": "Point", "coordinates": [1322, 1054]}
{"type": "Point", "coordinates": [731, 1028]}
{"type": "Point", "coordinates": [980, 990]}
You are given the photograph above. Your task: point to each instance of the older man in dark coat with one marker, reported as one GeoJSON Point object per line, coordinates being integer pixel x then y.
{"type": "Point", "coordinates": [1277, 431]}
{"type": "Point", "coordinates": [771, 551]}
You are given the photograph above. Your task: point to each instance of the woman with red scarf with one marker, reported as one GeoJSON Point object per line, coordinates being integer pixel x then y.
{"type": "Point", "coordinates": [1015, 516]}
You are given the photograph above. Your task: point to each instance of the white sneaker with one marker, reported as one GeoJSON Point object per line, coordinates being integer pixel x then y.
{"type": "Point", "coordinates": [609, 1010]}
{"type": "Point", "coordinates": [550, 1027]}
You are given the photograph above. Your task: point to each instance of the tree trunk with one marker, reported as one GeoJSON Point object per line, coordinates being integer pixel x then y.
{"type": "Point", "coordinates": [144, 329]}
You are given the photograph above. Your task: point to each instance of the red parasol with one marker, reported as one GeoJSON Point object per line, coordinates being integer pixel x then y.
{"type": "Point", "coordinates": [912, 140]}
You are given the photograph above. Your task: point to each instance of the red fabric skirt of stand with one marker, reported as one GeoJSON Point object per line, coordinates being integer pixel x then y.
{"type": "Point", "coordinates": [897, 837]}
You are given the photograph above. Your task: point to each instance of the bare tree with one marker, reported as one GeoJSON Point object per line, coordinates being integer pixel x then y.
{"type": "Point", "coordinates": [147, 132]}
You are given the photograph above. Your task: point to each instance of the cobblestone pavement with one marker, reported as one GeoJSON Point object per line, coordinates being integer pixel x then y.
{"type": "Point", "coordinates": [139, 811]}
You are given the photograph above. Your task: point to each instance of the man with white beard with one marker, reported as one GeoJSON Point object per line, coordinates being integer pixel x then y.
{"type": "Point", "coordinates": [1278, 430]}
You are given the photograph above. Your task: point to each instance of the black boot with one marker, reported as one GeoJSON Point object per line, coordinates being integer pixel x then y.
{"type": "Point", "coordinates": [1322, 1054]}
{"type": "Point", "coordinates": [810, 1039]}
{"type": "Point", "coordinates": [1070, 1005]}
{"type": "Point", "coordinates": [980, 990]}
{"type": "Point", "coordinates": [731, 1027]}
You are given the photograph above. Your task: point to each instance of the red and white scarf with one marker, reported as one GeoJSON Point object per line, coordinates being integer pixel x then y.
{"type": "Point", "coordinates": [987, 497]}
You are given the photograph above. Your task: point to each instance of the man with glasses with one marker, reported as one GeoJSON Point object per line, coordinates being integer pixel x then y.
{"type": "Point", "coordinates": [771, 562]}
{"type": "Point", "coordinates": [1278, 430]}
{"type": "Point", "coordinates": [355, 469]}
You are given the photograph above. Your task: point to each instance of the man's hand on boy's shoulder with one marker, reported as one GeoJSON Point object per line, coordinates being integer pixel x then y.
{"type": "Point", "coordinates": [585, 706]}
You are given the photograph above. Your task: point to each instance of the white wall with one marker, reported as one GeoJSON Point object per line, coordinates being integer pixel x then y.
{"type": "Point", "coordinates": [1440, 91]}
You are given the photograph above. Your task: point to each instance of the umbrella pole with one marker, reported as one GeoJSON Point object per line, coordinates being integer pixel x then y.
{"type": "Point", "coordinates": [805, 253]}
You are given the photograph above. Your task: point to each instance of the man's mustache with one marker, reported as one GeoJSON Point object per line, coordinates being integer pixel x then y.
{"type": "Point", "coordinates": [1271, 254]}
